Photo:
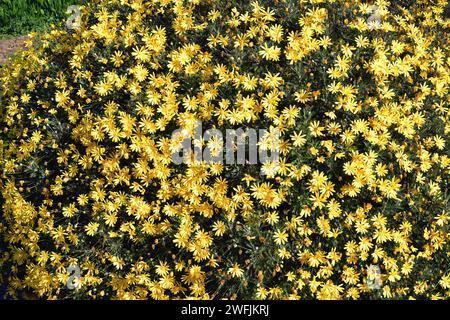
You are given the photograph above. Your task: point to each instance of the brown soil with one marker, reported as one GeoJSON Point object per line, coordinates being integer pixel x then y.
{"type": "Point", "coordinates": [8, 47]}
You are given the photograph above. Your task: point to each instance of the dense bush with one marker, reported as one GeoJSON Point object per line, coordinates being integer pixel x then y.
{"type": "Point", "coordinates": [362, 183]}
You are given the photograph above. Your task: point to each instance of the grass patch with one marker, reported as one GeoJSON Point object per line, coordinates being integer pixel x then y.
{"type": "Point", "coordinates": [19, 17]}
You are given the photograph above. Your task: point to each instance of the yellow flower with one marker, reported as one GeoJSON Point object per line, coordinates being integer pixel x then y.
{"type": "Point", "coordinates": [271, 53]}
{"type": "Point", "coordinates": [235, 271]}
{"type": "Point", "coordinates": [281, 237]}
{"type": "Point", "coordinates": [91, 228]}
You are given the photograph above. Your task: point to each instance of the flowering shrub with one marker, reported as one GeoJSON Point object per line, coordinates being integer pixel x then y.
{"type": "Point", "coordinates": [357, 206]}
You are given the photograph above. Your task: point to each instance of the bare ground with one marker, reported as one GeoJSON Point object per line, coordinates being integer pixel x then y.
{"type": "Point", "coordinates": [8, 47]}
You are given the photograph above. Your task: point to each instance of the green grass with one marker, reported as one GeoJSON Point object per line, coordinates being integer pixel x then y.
{"type": "Point", "coordinates": [19, 17]}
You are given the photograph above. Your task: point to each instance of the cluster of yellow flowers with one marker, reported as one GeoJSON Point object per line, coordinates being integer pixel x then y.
{"type": "Point", "coordinates": [363, 108]}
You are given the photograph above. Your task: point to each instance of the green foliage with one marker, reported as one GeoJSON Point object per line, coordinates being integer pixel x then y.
{"type": "Point", "coordinates": [18, 17]}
